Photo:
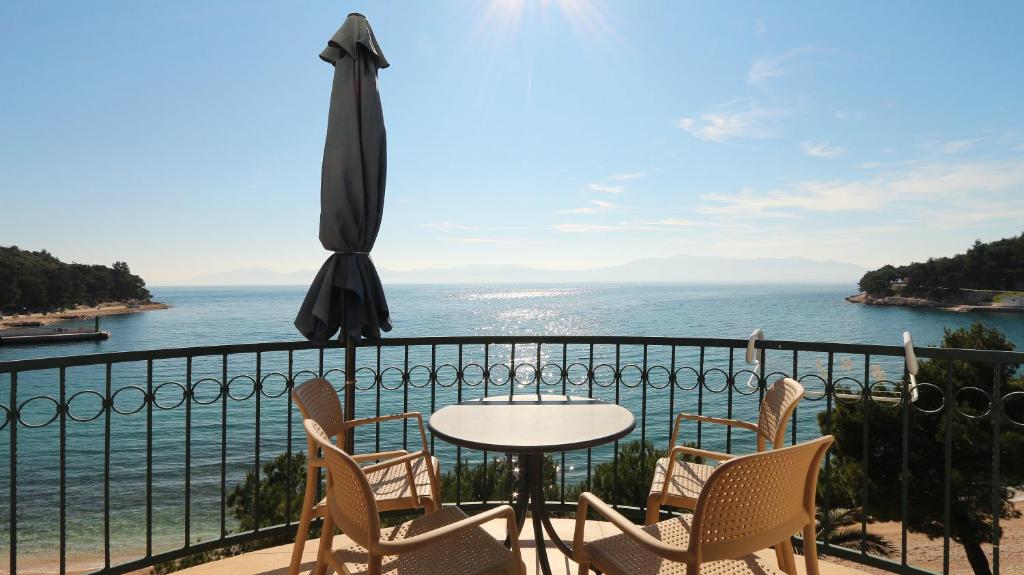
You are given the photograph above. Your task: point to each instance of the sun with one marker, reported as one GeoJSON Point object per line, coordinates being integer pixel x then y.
{"type": "Point", "coordinates": [586, 18]}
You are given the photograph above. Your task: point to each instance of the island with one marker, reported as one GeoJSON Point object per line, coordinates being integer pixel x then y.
{"type": "Point", "coordinates": [37, 289]}
{"type": "Point", "coordinates": [987, 277]}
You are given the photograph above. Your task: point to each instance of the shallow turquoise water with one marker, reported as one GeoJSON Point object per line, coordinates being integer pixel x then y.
{"type": "Point", "coordinates": [209, 316]}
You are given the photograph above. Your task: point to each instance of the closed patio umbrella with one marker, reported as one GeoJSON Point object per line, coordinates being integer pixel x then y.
{"type": "Point", "coordinates": [347, 294]}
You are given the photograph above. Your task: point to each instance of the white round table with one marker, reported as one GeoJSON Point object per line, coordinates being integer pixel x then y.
{"type": "Point", "coordinates": [531, 426]}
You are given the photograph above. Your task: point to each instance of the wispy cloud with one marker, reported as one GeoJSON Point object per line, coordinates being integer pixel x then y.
{"type": "Point", "coordinates": [449, 227]}
{"type": "Point", "coordinates": [605, 188]}
{"type": "Point", "coordinates": [948, 187]}
{"type": "Point", "coordinates": [949, 147]}
{"type": "Point", "coordinates": [630, 226]}
{"type": "Point", "coordinates": [740, 118]}
{"type": "Point", "coordinates": [486, 240]}
{"type": "Point", "coordinates": [594, 207]}
{"type": "Point", "coordinates": [822, 149]}
{"type": "Point", "coordinates": [628, 176]}
{"type": "Point", "coordinates": [768, 67]}
{"type": "Point", "coordinates": [849, 115]}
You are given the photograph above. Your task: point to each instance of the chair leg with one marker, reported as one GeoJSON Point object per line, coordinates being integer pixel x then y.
{"type": "Point", "coordinates": [784, 556]}
{"type": "Point", "coordinates": [326, 542]}
{"type": "Point", "coordinates": [304, 519]}
{"type": "Point", "coordinates": [653, 509]}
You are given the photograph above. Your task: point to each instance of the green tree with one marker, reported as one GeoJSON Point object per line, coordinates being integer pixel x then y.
{"type": "Point", "coordinates": [841, 526]}
{"type": "Point", "coordinates": [283, 476]}
{"type": "Point", "coordinates": [972, 480]}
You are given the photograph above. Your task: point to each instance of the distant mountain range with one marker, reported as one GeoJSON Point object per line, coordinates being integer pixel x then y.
{"type": "Point", "coordinates": [674, 269]}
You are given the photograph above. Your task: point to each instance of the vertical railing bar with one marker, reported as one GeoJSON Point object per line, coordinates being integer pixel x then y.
{"type": "Point", "coordinates": [512, 372]}
{"type": "Point", "coordinates": [433, 388]}
{"type": "Point", "coordinates": [15, 416]}
{"type": "Point", "coordinates": [487, 381]}
{"type": "Point", "coordinates": [107, 468]}
{"type": "Point", "coordinates": [700, 397]}
{"type": "Point", "coordinates": [378, 383]}
{"type": "Point", "coordinates": [224, 445]}
{"type": "Point", "coordinates": [615, 452]}
{"type": "Point", "coordinates": [565, 377]}
{"type": "Point", "coordinates": [730, 384]}
{"type": "Point", "coordinates": [256, 448]}
{"type": "Point", "coordinates": [150, 400]}
{"type": "Point", "coordinates": [643, 407]}
{"type": "Point", "coordinates": [406, 378]}
{"type": "Point", "coordinates": [865, 460]}
{"type": "Point", "coordinates": [537, 371]}
{"type": "Point", "coordinates": [947, 480]}
{"type": "Point", "coordinates": [63, 471]}
{"type": "Point", "coordinates": [904, 469]}
{"type": "Point", "coordinates": [320, 364]}
{"type": "Point", "coordinates": [590, 393]}
{"type": "Point", "coordinates": [671, 393]}
{"type": "Point", "coordinates": [459, 376]}
{"type": "Point", "coordinates": [996, 410]}
{"type": "Point", "coordinates": [796, 377]}
{"type": "Point", "coordinates": [188, 451]}
{"type": "Point", "coordinates": [320, 470]}
{"type": "Point", "coordinates": [828, 459]}
{"type": "Point", "coordinates": [288, 439]}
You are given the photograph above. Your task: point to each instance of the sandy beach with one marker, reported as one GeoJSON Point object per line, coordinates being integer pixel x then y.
{"type": "Point", "coordinates": [80, 312]}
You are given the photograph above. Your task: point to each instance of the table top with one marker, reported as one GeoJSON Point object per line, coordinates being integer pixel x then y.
{"type": "Point", "coordinates": [528, 425]}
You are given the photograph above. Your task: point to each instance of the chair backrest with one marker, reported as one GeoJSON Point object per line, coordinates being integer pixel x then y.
{"type": "Point", "coordinates": [777, 408]}
{"type": "Point", "coordinates": [349, 497]}
{"type": "Point", "coordinates": [757, 500]}
{"type": "Point", "coordinates": [317, 400]}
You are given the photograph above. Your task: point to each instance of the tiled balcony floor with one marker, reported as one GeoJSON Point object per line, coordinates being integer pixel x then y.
{"type": "Point", "coordinates": [274, 561]}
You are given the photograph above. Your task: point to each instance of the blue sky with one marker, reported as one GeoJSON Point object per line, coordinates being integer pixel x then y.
{"type": "Point", "coordinates": [186, 137]}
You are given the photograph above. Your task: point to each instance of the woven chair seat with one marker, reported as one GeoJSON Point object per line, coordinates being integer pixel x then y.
{"type": "Point", "coordinates": [620, 554]}
{"type": "Point", "coordinates": [687, 478]}
{"type": "Point", "coordinates": [472, 552]}
{"type": "Point", "coordinates": [393, 482]}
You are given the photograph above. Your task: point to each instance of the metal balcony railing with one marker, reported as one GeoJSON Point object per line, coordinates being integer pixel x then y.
{"type": "Point", "coordinates": [125, 460]}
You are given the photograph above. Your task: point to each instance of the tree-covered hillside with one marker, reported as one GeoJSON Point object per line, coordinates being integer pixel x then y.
{"type": "Point", "coordinates": [996, 265]}
{"type": "Point", "coordinates": [37, 281]}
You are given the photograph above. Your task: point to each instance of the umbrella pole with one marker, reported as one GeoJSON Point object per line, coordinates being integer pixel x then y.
{"type": "Point", "coordinates": [350, 391]}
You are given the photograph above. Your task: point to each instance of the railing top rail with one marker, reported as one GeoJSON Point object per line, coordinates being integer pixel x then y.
{"type": "Point", "coordinates": [986, 356]}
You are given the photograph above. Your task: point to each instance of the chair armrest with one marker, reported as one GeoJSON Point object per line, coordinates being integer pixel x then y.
{"type": "Point", "coordinates": [719, 420]}
{"type": "Point", "coordinates": [438, 535]}
{"type": "Point", "coordinates": [407, 458]}
{"type": "Point", "coordinates": [641, 537]}
{"type": "Point", "coordinates": [378, 456]}
{"type": "Point", "coordinates": [352, 423]}
{"type": "Point", "coordinates": [687, 450]}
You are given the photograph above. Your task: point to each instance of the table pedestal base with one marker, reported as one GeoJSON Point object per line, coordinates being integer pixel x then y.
{"type": "Point", "coordinates": [531, 494]}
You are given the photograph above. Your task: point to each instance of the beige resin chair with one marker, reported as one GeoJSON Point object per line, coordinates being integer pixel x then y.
{"type": "Point", "coordinates": [748, 504]}
{"type": "Point", "coordinates": [401, 480]}
{"type": "Point", "coordinates": [445, 541]}
{"type": "Point", "coordinates": [677, 483]}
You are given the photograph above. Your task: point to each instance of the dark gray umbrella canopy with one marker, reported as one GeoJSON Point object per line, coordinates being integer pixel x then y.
{"type": "Point", "coordinates": [347, 292]}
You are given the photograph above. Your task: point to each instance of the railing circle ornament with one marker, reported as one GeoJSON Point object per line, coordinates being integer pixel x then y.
{"type": "Point", "coordinates": [684, 373]}
{"type": "Point", "coordinates": [391, 373]}
{"type": "Point", "coordinates": [885, 393]}
{"type": "Point", "coordinates": [271, 377]}
{"type": "Point", "coordinates": [715, 372]}
{"type": "Point", "coordinates": [472, 374]}
{"type": "Point", "coordinates": [499, 381]}
{"type": "Point", "coordinates": [966, 396]}
{"type": "Point", "coordinates": [7, 416]}
{"type": "Point", "coordinates": [420, 372]}
{"type": "Point", "coordinates": [46, 418]}
{"type": "Point", "coordinates": [603, 375]}
{"type": "Point", "coordinates": [87, 393]}
{"type": "Point", "coordinates": [745, 375]}
{"type": "Point", "coordinates": [447, 375]}
{"type": "Point", "coordinates": [931, 399]}
{"type": "Point", "coordinates": [658, 377]}
{"type": "Point", "coordinates": [124, 392]}
{"type": "Point", "coordinates": [249, 383]}
{"type": "Point", "coordinates": [552, 374]}
{"type": "Point", "coordinates": [847, 390]}
{"type": "Point", "coordinates": [1012, 405]}
{"type": "Point", "coordinates": [815, 387]}
{"type": "Point", "coordinates": [632, 376]}
{"type": "Point", "coordinates": [169, 385]}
